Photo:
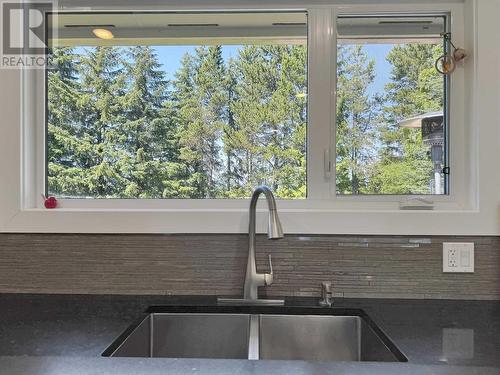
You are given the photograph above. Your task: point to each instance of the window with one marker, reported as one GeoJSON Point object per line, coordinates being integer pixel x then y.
{"type": "Point", "coordinates": [176, 105]}
{"type": "Point", "coordinates": [194, 109]}
{"type": "Point", "coordinates": [391, 115]}
{"type": "Point", "coordinates": [101, 171]}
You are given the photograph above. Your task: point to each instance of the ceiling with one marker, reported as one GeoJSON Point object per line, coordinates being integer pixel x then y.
{"type": "Point", "coordinates": [181, 28]}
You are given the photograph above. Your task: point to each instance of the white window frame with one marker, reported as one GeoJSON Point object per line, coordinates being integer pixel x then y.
{"type": "Point", "coordinates": [459, 193]}
{"type": "Point", "coordinates": [322, 212]}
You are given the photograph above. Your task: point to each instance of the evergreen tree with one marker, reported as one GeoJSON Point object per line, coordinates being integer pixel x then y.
{"type": "Point", "coordinates": [146, 132]}
{"type": "Point", "coordinates": [233, 172]}
{"type": "Point", "coordinates": [99, 154]}
{"type": "Point", "coordinates": [201, 102]}
{"type": "Point", "coordinates": [416, 88]}
{"type": "Point", "coordinates": [356, 113]}
{"type": "Point", "coordinates": [64, 175]}
{"type": "Point", "coordinates": [117, 128]}
{"type": "Point", "coordinates": [270, 116]}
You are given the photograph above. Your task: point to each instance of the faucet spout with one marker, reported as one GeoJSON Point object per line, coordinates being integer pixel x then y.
{"type": "Point", "coordinates": [253, 279]}
{"type": "Point", "coordinates": [275, 231]}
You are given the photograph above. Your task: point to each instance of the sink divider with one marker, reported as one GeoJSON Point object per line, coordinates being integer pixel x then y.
{"type": "Point", "coordinates": [151, 335]}
{"type": "Point", "coordinates": [253, 337]}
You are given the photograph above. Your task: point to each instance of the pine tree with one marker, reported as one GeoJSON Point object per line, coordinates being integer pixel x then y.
{"type": "Point", "coordinates": [355, 117]}
{"type": "Point", "coordinates": [233, 170]}
{"type": "Point", "coordinates": [64, 174]}
{"type": "Point", "coordinates": [115, 130]}
{"type": "Point", "coordinates": [146, 131]}
{"type": "Point", "coordinates": [201, 102]}
{"type": "Point", "coordinates": [270, 117]}
{"type": "Point", "coordinates": [415, 88]}
{"type": "Point", "coordinates": [99, 154]}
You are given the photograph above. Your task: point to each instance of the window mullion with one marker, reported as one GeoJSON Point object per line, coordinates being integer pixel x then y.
{"type": "Point", "coordinates": [321, 102]}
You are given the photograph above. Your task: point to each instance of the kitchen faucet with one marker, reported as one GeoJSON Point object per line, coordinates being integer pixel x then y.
{"type": "Point", "coordinates": [274, 231]}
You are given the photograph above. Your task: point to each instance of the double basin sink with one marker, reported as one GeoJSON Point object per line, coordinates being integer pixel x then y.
{"type": "Point", "coordinates": [256, 333]}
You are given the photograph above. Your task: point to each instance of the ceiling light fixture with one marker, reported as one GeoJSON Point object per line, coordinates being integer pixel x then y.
{"type": "Point", "coordinates": [103, 34]}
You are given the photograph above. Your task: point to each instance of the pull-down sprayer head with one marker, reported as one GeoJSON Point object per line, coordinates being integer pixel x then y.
{"type": "Point", "coordinates": [274, 229]}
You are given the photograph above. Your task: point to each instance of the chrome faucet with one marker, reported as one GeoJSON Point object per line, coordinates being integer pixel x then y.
{"type": "Point", "coordinates": [274, 231]}
{"type": "Point", "coordinates": [326, 294]}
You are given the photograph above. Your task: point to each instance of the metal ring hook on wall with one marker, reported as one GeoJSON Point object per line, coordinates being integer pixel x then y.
{"type": "Point", "coordinates": [447, 63]}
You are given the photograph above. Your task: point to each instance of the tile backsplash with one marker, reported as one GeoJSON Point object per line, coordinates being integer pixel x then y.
{"type": "Point", "coordinates": [358, 266]}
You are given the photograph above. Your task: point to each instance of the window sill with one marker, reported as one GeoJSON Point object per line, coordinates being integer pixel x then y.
{"type": "Point", "coordinates": [295, 221]}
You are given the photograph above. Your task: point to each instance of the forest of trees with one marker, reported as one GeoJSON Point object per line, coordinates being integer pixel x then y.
{"type": "Point", "coordinates": [119, 128]}
{"type": "Point", "coordinates": [374, 154]}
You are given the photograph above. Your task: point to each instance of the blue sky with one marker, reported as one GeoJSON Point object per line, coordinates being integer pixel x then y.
{"type": "Point", "coordinates": [170, 57]}
{"type": "Point", "coordinates": [379, 52]}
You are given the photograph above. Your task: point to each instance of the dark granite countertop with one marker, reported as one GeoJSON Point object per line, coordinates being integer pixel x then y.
{"type": "Point", "coordinates": [66, 334]}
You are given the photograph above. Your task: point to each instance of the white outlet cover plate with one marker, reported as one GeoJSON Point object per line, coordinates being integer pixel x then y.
{"type": "Point", "coordinates": [458, 257]}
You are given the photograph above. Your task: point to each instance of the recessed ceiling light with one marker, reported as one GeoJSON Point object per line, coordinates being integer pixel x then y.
{"type": "Point", "coordinates": [103, 33]}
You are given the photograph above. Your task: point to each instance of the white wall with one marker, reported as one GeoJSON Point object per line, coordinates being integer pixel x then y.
{"type": "Point", "coordinates": [487, 100]}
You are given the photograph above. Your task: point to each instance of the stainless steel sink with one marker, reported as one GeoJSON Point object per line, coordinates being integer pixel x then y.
{"type": "Point", "coordinates": [188, 336]}
{"type": "Point", "coordinates": [320, 338]}
{"type": "Point", "coordinates": [257, 333]}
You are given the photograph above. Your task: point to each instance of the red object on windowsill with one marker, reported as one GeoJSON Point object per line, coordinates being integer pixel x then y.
{"type": "Point", "coordinates": [50, 202]}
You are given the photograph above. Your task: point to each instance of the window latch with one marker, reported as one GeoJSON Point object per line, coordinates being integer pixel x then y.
{"type": "Point", "coordinates": [327, 162]}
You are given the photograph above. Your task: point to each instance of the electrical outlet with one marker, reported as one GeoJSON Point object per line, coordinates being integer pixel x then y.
{"type": "Point", "coordinates": [458, 257]}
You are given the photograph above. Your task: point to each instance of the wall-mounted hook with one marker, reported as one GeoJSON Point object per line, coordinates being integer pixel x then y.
{"type": "Point", "coordinates": [447, 63]}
